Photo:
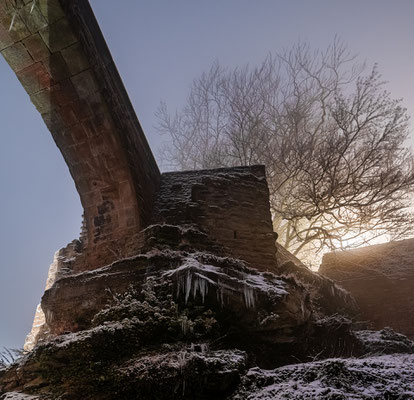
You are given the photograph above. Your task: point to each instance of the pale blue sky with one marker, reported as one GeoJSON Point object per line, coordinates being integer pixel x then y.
{"type": "Point", "coordinates": [159, 47]}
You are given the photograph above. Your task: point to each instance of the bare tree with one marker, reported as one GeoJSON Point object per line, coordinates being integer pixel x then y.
{"type": "Point", "coordinates": [330, 135]}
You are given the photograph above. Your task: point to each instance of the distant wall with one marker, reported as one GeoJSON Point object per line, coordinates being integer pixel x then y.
{"type": "Point", "coordinates": [381, 279]}
{"type": "Point", "coordinates": [230, 204]}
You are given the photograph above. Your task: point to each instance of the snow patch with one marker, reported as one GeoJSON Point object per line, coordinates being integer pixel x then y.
{"type": "Point", "coordinates": [381, 377]}
{"type": "Point", "coordinates": [18, 396]}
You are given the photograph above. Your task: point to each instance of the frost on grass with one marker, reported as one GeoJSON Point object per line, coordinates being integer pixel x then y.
{"type": "Point", "coordinates": [382, 377]}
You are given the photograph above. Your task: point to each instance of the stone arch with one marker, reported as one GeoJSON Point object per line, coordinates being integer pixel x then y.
{"type": "Point", "coordinates": [59, 55]}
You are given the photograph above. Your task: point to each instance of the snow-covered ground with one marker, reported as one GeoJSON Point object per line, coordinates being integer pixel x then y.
{"type": "Point", "coordinates": [387, 377]}
{"type": "Point", "coordinates": [18, 396]}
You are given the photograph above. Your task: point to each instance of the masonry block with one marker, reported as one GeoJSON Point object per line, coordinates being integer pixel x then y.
{"type": "Point", "coordinates": [85, 84]}
{"type": "Point", "coordinates": [36, 47]}
{"type": "Point", "coordinates": [43, 101]}
{"type": "Point", "coordinates": [51, 10]}
{"type": "Point", "coordinates": [63, 93]}
{"type": "Point", "coordinates": [68, 116]}
{"type": "Point", "coordinates": [34, 78]}
{"type": "Point", "coordinates": [57, 67]}
{"type": "Point", "coordinates": [75, 59]}
{"type": "Point", "coordinates": [82, 109]}
{"type": "Point", "coordinates": [58, 36]}
{"type": "Point", "coordinates": [53, 121]}
{"type": "Point", "coordinates": [32, 17]}
{"type": "Point", "coordinates": [17, 57]}
{"type": "Point", "coordinates": [5, 39]}
{"type": "Point", "coordinates": [17, 32]}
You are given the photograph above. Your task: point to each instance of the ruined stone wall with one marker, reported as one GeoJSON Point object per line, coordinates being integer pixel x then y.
{"type": "Point", "coordinates": [230, 204]}
{"type": "Point", "coordinates": [381, 279]}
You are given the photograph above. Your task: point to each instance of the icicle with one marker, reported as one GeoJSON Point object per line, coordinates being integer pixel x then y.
{"type": "Point", "coordinates": [220, 295]}
{"type": "Point", "coordinates": [12, 21]}
{"type": "Point", "coordinates": [185, 325]}
{"type": "Point", "coordinates": [33, 6]}
{"type": "Point", "coordinates": [200, 285]}
{"type": "Point", "coordinates": [191, 285]}
{"type": "Point", "coordinates": [249, 298]}
{"type": "Point", "coordinates": [179, 285]}
{"type": "Point", "coordinates": [302, 307]}
{"type": "Point", "coordinates": [188, 285]}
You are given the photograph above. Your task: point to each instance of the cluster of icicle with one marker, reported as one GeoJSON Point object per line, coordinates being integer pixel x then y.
{"type": "Point", "coordinates": [192, 281]}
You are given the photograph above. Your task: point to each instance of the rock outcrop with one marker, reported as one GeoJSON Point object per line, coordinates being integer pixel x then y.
{"type": "Point", "coordinates": [183, 320]}
{"type": "Point", "coordinates": [175, 324]}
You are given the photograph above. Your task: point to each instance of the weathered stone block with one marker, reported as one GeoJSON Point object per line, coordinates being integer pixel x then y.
{"type": "Point", "coordinates": [34, 78]}
{"type": "Point", "coordinates": [17, 32]}
{"type": "Point", "coordinates": [90, 127]}
{"type": "Point", "coordinates": [17, 57]}
{"type": "Point", "coordinates": [58, 36]}
{"type": "Point", "coordinates": [63, 93]}
{"type": "Point", "coordinates": [53, 121]}
{"type": "Point", "coordinates": [32, 17]}
{"type": "Point", "coordinates": [82, 109]}
{"type": "Point", "coordinates": [51, 10]}
{"type": "Point", "coordinates": [96, 103]}
{"type": "Point", "coordinates": [68, 116]}
{"type": "Point", "coordinates": [43, 101]}
{"type": "Point", "coordinates": [5, 39]}
{"type": "Point", "coordinates": [85, 84]}
{"type": "Point", "coordinates": [63, 137]}
{"type": "Point", "coordinates": [36, 47]}
{"type": "Point", "coordinates": [75, 59]}
{"type": "Point", "coordinates": [57, 67]}
{"type": "Point", "coordinates": [78, 133]}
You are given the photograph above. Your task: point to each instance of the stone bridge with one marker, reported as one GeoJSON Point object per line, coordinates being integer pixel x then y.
{"type": "Point", "coordinates": [59, 55]}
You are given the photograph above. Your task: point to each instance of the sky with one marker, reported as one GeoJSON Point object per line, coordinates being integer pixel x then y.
{"type": "Point", "coordinates": [159, 47]}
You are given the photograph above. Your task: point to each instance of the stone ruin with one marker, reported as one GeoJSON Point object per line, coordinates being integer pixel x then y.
{"type": "Point", "coordinates": [175, 288]}
{"type": "Point", "coordinates": [381, 279]}
{"type": "Point", "coordinates": [60, 57]}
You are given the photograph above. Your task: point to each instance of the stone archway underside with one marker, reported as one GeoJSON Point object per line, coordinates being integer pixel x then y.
{"type": "Point", "coordinates": [59, 55]}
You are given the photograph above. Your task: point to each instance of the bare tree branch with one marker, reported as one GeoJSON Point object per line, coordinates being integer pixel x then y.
{"type": "Point", "coordinates": [331, 137]}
